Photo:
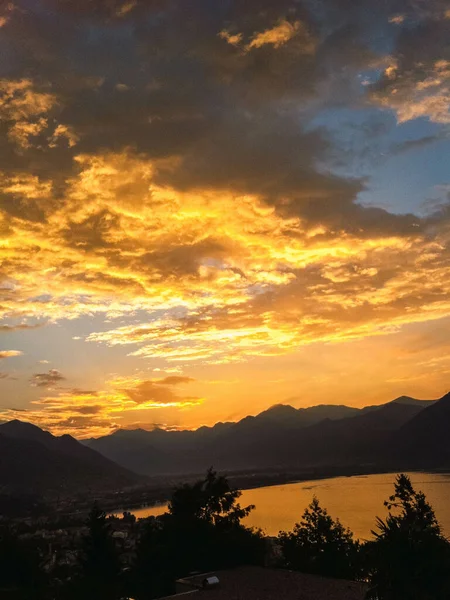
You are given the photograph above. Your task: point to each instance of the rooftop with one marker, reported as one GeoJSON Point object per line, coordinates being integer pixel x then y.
{"type": "Point", "coordinates": [257, 583]}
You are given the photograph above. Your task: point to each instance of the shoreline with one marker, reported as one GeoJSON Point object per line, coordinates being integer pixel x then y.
{"type": "Point", "coordinates": [158, 490]}
{"type": "Point", "coordinates": [252, 481]}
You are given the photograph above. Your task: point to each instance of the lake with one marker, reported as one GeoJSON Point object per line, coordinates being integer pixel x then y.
{"type": "Point", "coordinates": [355, 500]}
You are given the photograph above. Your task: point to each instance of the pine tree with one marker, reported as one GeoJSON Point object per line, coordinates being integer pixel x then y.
{"type": "Point", "coordinates": [320, 545]}
{"type": "Point", "coordinates": [409, 558]}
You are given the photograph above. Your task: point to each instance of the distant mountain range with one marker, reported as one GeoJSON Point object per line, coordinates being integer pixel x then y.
{"type": "Point", "coordinates": [404, 433]}
{"type": "Point", "coordinates": [35, 461]}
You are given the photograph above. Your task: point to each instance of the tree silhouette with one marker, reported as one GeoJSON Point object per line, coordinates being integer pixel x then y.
{"type": "Point", "coordinates": [210, 500]}
{"type": "Point", "coordinates": [154, 569]}
{"type": "Point", "coordinates": [409, 558]}
{"type": "Point", "coordinates": [128, 517]}
{"type": "Point", "coordinates": [99, 560]}
{"type": "Point", "coordinates": [320, 545]}
{"type": "Point", "coordinates": [20, 570]}
{"type": "Point", "coordinates": [202, 531]}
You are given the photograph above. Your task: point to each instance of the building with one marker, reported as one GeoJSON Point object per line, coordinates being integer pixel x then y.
{"type": "Point", "coordinates": [258, 583]}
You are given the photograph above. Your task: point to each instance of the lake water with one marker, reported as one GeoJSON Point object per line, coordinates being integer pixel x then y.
{"type": "Point", "coordinates": [356, 501]}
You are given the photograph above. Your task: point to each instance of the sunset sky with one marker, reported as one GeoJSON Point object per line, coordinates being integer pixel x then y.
{"type": "Point", "coordinates": [211, 206]}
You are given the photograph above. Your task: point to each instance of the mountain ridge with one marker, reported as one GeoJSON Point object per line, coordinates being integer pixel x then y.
{"type": "Point", "coordinates": [32, 459]}
{"type": "Point", "coordinates": [278, 437]}
{"type": "Point", "coordinates": [271, 410]}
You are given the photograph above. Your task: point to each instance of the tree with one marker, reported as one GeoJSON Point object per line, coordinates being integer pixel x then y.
{"type": "Point", "coordinates": [20, 567]}
{"type": "Point", "coordinates": [128, 517]}
{"type": "Point", "coordinates": [99, 564]}
{"type": "Point", "coordinates": [208, 517]}
{"type": "Point", "coordinates": [320, 545]}
{"type": "Point", "coordinates": [202, 531]}
{"type": "Point", "coordinates": [154, 569]}
{"type": "Point", "coordinates": [210, 500]}
{"type": "Point", "coordinates": [409, 558]}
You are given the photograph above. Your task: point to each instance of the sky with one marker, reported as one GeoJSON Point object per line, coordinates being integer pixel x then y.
{"type": "Point", "coordinates": [214, 206]}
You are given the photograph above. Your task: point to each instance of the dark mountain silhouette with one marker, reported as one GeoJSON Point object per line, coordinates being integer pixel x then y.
{"type": "Point", "coordinates": [402, 400]}
{"type": "Point", "coordinates": [133, 449]}
{"type": "Point", "coordinates": [278, 438]}
{"type": "Point", "coordinates": [287, 415]}
{"type": "Point", "coordinates": [425, 439]}
{"type": "Point", "coordinates": [413, 401]}
{"type": "Point", "coordinates": [34, 460]}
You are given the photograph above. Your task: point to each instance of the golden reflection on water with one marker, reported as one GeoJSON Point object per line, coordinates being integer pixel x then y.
{"type": "Point", "coordinates": [356, 501]}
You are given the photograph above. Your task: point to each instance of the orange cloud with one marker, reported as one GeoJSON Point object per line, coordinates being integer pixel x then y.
{"type": "Point", "coordinates": [9, 353]}
{"type": "Point", "coordinates": [85, 413]}
{"type": "Point", "coordinates": [247, 279]}
{"type": "Point", "coordinates": [282, 33]}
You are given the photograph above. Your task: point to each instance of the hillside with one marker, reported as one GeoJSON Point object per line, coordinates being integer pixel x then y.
{"type": "Point", "coordinates": [425, 440]}
{"type": "Point", "coordinates": [34, 460]}
{"type": "Point", "coordinates": [277, 438]}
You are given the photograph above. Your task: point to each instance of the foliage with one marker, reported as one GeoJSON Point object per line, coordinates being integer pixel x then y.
{"type": "Point", "coordinates": [209, 500]}
{"type": "Point", "coordinates": [202, 531]}
{"type": "Point", "coordinates": [99, 560]}
{"type": "Point", "coordinates": [128, 517]}
{"type": "Point", "coordinates": [320, 545]}
{"type": "Point", "coordinates": [20, 567]}
{"type": "Point", "coordinates": [409, 558]}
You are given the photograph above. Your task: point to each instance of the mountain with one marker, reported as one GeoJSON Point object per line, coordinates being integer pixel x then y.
{"type": "Point", "coordinates": [133, 449]}
{"type": "Point", "coordinates": [277, 438]}
{"type": "Point", "coordinates": [363, 439]}
{"type": "Point", "coordinates": [34, 460]}
{"type": "Point", "coordinates": [413, 401]}
{"type": "Point", "coordinates": [406, 400]}
{"type": "Point", "coordinates": [285, 414]}
{"type": "Point", "coordinates": [405, 432]}
{"type": "Point", "coordinates": [425, 439]}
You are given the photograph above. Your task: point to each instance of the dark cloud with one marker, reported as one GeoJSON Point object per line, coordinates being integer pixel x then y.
{"type": "Point", "coordinates": [91, 232]}
{"type": "Point", "coordinates": [188, 91]}
{"type": "Point", "coordinates": [88, 409]}
{"type": "Point", "coordinates": [159, 77]}
{"type": "Point", "coordinates": [181, 259]}
{"type": "Point", "coordinates": [82, 392]}
{"type": "Point", "coordinates": [47, 380]}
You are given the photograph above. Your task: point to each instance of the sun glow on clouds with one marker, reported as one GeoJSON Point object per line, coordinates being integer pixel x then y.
{"type": "Point", "coordinates": [235, 278]}
{"type": "Point", "coordinates": [426, 94]}
{"type": "Point", "coordinates": [176, 209]}
{"type": "Point", "coordinates": [88, 413]}
{"type": "Point", "coordinates": [277, 36]}
{"type": "Point", "coordinates": [233, 265]}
